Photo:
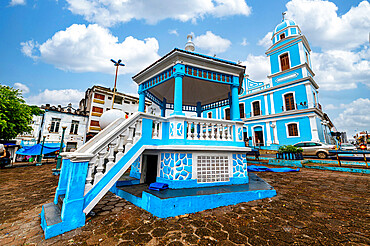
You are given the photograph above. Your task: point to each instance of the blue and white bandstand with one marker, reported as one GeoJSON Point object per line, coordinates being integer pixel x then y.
{"type": "Point", "coordinates": [202, 160]}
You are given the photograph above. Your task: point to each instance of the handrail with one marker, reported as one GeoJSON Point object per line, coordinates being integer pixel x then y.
{"type": "Point", "coordinates": [113, 130]}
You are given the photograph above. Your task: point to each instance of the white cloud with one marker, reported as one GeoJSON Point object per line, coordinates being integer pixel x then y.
{"type": "Point", "coordinates": [89, 48]}
{"type": "Point", "coordinates": [29, 47]}
{"type": "Point", "coordinates": [17, 2]}
{"type": "Point", "coordinates": [174, 32]}
{"type": "Point", "coordinates": [56, 97]}
{"type": "Point", "coordinates": [22, 87]}
{"type": "Point", "coordinates": [340, 70]}
{"type": "Point", "coordinates": [110, 12]}
{"type": "Point", "coordinates": [244, 42]}
{"type": "Point", "coordinates": [319, 21]}
{"type": "Point", "coordinates": [266, 40]}
{"type": "Point", "coordinates": [354, 117]}
{"type": "Point", "coordinates": [257, 67]}
{"type": "Point", "coordinates": [212, 43]}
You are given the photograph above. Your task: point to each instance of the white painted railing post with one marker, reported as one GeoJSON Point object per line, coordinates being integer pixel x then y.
{"type": "Point", "coordinates": [137, 131]}
{"type": "Point", "coordinates": [89, 178]}
{"type": "Point", "coordinates": [110, 163]}
{"type": "Point", "coordinates": [130, 138]}
{"type": "Point", "coordinates": [100, 168]}
{"type": "Point", "coordinates": [223, 132]}
{"type": "Point", "coordinates": [120, 148]}
{"type": "Point", "coordinates": [213, 131]}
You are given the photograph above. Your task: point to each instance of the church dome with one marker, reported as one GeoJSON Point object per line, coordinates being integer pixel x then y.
{"type": "Point", "coordinates": [283, 24]}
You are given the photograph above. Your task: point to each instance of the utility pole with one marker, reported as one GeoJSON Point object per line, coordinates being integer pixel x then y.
{"type": "Point", "coordinates": [115, 80]}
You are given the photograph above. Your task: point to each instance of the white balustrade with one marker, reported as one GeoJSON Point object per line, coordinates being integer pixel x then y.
{"type": "Point", "coordinates": [209, 129]}
{"type": "Point", "coordinates": [157, 130]}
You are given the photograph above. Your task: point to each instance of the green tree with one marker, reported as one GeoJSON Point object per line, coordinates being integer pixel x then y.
{"type": "Point", "coordinates": [15, 115]}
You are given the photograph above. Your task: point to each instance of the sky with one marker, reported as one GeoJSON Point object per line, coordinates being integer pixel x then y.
{"type": "Point", "coordinates": [53, 50]}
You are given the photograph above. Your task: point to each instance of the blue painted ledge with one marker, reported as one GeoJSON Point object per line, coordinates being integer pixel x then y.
{"type": "Point", "coordinates": [341, 169]}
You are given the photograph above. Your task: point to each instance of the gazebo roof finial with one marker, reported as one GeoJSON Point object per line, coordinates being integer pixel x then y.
{"type": "Point", "coordinates": [190, 45]}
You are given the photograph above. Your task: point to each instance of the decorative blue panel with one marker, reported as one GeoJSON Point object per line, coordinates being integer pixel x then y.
{"type": "Point", "coordinates": [240, 166]}
{"type": "Point", "coordinates": [176, 166]}
{"type": "Point", "coordinates": [135, 169]}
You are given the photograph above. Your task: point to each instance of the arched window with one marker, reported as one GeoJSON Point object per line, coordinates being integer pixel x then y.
{"type": "Point", "coordinates": [256, 108]}
{"type": "Point", "coordinates": [282, 36]}
{"type": "Point", "coordinates": [241, 109]}
{"type": "Point", "coordinates": [289, 101]}
{"type": "Point", "coordinates": [227, 114]}
{"type": "Point", "coordinates": [284, 62]}
{"type": "Point", "coordinates": [293, 130]}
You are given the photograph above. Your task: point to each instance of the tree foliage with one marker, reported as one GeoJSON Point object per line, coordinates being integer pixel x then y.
{"type": "Point", "coordinates": [15, 115]}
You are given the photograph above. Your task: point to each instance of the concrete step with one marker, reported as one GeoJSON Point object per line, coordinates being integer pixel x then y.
{"type": "Point", "coordinates": [52, 214]}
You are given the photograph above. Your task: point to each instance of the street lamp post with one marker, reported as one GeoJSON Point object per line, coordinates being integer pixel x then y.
{"type": "Point", "coordinates": [56, 171]}
{"type": "Point", "coordinates": [39, 157]}
{"type": "Point", "coordinates": [117, 64]}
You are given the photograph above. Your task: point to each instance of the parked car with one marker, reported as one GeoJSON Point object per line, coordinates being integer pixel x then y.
{"type": "Point", "coordinates": [321, 150]}
{"type": "Point", "coordinates": [347, 146]}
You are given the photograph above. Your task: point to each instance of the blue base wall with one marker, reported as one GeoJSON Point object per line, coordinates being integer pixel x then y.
{"type": "Point", "coordinates": [170, 207]}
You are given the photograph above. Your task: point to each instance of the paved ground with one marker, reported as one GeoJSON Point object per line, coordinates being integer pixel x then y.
{"type": "Point", "coordinates": [312, 207]}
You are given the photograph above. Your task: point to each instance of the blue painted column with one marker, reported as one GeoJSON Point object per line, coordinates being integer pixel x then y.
{"type": "Point", "coordinates": [163, 108]}
{"type": "Point", "coordinates": [141, 101]}
{"type": "Point", "coordinates": [231, 106]}
{"type": "Point", "coordinates": [235, 99]}
{"type": "Point", "coordinates": [72, 210]}
{"type": "Point", "coordinates": [63, 180]}
{"type": "Point", "coordinates": [178, 73]}
{"type": "Point", "coordinates": [199, 109]}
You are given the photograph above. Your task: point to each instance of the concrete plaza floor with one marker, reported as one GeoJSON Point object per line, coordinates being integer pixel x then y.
{"type": "Point", "coordinates": [313, 207]}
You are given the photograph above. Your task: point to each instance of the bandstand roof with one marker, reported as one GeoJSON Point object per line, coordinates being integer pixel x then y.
{"type": "Point", "coordinates": [207, 79]}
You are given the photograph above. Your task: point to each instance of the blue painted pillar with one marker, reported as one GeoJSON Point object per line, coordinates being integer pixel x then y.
{"type": "Point", "coordinates": [235, 99]}
{"type": "Point", "coordinates": [141, 102]}
{"type": "Point", "coordinates": [73, 204]}
{"type": "Point", "coordinates": [178, 73]}
{"type": "Point", "coordinates": [231, 106]}
{"type": "Point", "coordinates": [199, 109]}
{"type": "Point", "coordinates": [163, 109]}
{"type": "Point", "coordinates": [63, 180]}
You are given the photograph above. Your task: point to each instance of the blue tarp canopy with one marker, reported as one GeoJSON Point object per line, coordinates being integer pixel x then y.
{"type": "Point", "coordinates": [254, 168]}
{"type": "Point", "coordinates": [36, 149]}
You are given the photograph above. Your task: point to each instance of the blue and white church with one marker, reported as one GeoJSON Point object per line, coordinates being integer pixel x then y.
{"type": "Point", "coordinates": [202, 160]}
{"type": "Point", "coordinates": [286, 109]}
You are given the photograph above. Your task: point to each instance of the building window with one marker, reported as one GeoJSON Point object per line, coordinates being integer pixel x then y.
{"type": "Point", "coordinates": [212, 169]}
{"type": "Point", "coordinates": [74, 127]}
{"type": "Point", "coordinates": [99, 96]}
{"type": "Point", "coordinates": [97, 109]}
{"type": "Point", "coordinates": [227, 114]}
{"type": "Point", "coordinates": [209, 115]}
{"type": "Point", "coordinates": [118, 100]}
{"type": "Point", "coordinates": [307, 59]}
{"type": "Point", "coordinates": [71, 146]}
{"type": "Point", "coordinates": [55, 123]}
{"type": "Point", "coordinates": [282, 36]}
{"type": "Point", "coordinates": [289, 101]}
{"type": "Point", "coordinates": [241, 109]}
{"type": "Point", "coordinates": [126, 102]}
{"type": "Point", "coordinates": [284, 62]}
{"type": "Point", "coordinates": [256, 108]}
{"type": "Point", "coordinates": [293, 130]}
{"type": "Point", "coordinates": [109, 98]}
{"type": "Point", "coordinates": [94, 123]}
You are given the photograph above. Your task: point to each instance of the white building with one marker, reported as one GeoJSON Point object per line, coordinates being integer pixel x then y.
{"type": "Point", "coordinates": [50, 124]}
{"type": "Point", "coordinates": [98, 99]}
